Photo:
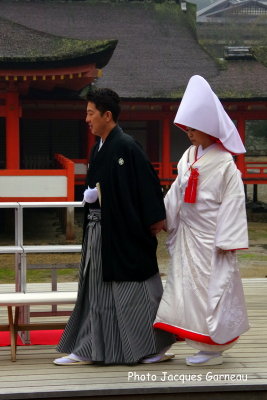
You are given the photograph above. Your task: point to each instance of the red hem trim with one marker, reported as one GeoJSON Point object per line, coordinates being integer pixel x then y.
{"type": "Point", "coordinates": [183, 333]}
{"type": "Point", "coordinates": [243, 248]}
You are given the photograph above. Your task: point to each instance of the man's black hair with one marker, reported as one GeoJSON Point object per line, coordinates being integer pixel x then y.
{"type": "Point", "coordinates": [105, 100]}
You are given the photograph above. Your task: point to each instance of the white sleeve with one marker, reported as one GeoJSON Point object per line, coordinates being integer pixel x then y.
{"type": "Point", "coordinates": [172, 204]}
{"type": "Point", "coordinates": [232, 232]}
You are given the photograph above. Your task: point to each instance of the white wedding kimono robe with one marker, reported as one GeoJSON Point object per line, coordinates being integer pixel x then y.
{"type": "Point", "coordinates": [203, 299]}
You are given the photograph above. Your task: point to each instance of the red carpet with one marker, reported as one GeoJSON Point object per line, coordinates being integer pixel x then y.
{"type": "Point", "coordinates": [37, 337]}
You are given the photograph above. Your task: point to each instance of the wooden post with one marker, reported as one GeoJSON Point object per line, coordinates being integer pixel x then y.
{"type": "Point", "coordinates": [13, 333]}
{"type": "Point", "coordinates": [70, 234]}
{"type": "Point", "coordinates": [12, 131]}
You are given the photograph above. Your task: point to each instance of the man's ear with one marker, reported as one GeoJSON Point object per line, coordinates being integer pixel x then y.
{"type": "Point", "coordinates": [109, 116]}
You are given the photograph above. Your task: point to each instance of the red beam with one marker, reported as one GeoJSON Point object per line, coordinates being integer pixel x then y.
{"type": "Point", "coordinates": [85, 70]}
{"type": "Point", "coordinates": [145, 115]}
{"type": "Point", "coordinates": [248, 114]}
{"type": "Point", "coordinates": [53, 114]}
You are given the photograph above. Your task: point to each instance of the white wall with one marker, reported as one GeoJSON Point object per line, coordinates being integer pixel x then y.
{"type": "Point", "coordinates": [33, 186]}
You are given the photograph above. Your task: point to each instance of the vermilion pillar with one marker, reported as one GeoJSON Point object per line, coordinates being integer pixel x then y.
{"type": "Point", "coordinates": [166, 148]}
{"type": "Point", "coordinates": [12, 130]}
{"type": "Point", "coordinates": [240, 159]}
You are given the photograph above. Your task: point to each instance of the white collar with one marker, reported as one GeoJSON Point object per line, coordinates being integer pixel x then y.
{"type": "Point", "coordinates": [201, 151]}
{"type": "Point", "coordinates": [100, 144]}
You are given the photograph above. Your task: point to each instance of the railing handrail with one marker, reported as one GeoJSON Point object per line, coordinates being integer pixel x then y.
{"type": "Point", "coordinates": [44, 204]}
{"type": "Point", "coordinates": [31, 171]}
{"type": "Point", "coordinates": [19, 249]}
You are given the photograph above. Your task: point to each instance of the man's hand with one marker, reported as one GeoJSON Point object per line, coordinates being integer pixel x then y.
{"type": "Point", "coordinates": [157, 227]}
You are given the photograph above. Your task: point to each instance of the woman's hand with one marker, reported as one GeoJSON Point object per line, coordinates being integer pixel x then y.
{"type": "Point", "coordinates": [221, 251]}
{"type": "Point", "coordinates": [157, 227]}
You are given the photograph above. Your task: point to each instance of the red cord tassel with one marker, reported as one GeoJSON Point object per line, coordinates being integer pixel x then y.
{"type": "Point", "coordinates": [191, 189]}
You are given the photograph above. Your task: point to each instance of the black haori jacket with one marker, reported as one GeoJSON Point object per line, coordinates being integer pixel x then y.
{"type": "Point", "coordinates": [131, 201]}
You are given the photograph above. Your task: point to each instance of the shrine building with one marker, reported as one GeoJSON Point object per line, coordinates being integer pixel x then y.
{"type": "Point", "coordinates": [52, 52]}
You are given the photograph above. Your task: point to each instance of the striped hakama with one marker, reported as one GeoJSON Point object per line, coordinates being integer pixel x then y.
{"type": "Point", "coordinates": [112, 322]}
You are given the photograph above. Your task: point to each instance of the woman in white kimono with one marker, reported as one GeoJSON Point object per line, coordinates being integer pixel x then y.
{"type": "Point", "coordinates": [203, 300]}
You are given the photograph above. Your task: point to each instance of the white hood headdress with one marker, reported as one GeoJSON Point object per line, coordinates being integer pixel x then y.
{"type": "Point", "coordinates": [201, 109]}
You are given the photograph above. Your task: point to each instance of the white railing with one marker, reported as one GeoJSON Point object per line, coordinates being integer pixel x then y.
{"type": "Point", "coordinates": [20, 250]}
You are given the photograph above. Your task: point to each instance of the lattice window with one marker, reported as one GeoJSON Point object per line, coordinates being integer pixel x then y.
{"type": "Point", "coordinates": [249, 10]}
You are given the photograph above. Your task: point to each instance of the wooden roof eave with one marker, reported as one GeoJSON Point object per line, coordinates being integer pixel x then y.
{"type": "Point", "coordinates": [100, 58]}
{"type": "Point", "coordinates": [43, 73]}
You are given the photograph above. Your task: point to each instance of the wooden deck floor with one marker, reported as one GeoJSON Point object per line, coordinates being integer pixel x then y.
{"type": "Point", "coordinates": [242, 376]}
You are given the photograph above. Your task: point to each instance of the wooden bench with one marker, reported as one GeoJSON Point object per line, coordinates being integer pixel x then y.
{"type": "Point", "coordinates": [19, 299]}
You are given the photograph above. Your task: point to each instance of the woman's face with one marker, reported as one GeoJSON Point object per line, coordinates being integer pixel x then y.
{"type": "Point", "coordinates": [198, 138]}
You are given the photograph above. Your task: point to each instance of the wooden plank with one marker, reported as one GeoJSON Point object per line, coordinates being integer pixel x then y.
{"type": "Point", "coordinates": [35, 375]}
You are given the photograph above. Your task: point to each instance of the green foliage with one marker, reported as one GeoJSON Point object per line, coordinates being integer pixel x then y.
{"type": "Point", "coordinates": [191, 11]}
{"type": "Point", "coordinates": [167, 11]}
{"type": "Point", "coordinates": [178, 94]}
{"type": "Point", "coordinates": [260, 53]}
{"type": "Point", "coordinates": [253, 256]}
{"type": "Point", "coordinates": [7, 275]}
{"type": "Point", "coordinates": [257, 233]}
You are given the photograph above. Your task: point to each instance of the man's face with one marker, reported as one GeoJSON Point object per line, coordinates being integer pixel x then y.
{"type": "Point", "coordinates": [96, 121]}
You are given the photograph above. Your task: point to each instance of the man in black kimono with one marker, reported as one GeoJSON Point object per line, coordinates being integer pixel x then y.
{"type": "Point", "coordinates": [119, 286]}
